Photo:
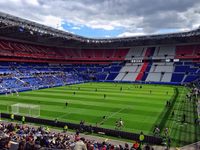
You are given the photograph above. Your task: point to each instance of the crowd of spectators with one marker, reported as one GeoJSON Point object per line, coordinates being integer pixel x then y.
{"type": "Point", "coordinates": [24, 137]}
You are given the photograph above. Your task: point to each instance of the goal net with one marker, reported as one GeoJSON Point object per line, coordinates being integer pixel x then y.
{"type": "Point", "coordinates": [26, 110]}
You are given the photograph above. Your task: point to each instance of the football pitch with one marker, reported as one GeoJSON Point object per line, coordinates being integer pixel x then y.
{"type": "Point", "coordinates": [141, 107]}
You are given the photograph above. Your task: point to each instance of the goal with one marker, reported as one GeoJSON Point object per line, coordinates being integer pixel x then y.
{"type": "Point", "coordinates": [26, 110]}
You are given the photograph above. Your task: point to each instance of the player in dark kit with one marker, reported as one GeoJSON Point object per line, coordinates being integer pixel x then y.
{"type": "Point", "coordinates": [184, 117]}
{"type": "Point", "coordinates": [66, 104]}
{"type": "Point", "coordinates": [121, 89]}
{"type": "Point", "coordinates": [172, 113]}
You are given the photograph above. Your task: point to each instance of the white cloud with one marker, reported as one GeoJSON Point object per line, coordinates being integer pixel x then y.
{"type": "Point", "coordinates": [32, 2]}
{"type": "Point", "coordinates": [76, 28]}
{"type": "Point", "coordinates": [128, 34]}
{"type": "Point", "coordinates": [102, 26]}
{"type": "Point", "coordinates": [53, 21]}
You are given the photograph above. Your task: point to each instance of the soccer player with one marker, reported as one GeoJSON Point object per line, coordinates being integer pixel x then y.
{"type": "Point", "coordinates": [166, 131]}
{"type": "Point", "coordinates": [104, 96]}
{"type": "Point", "coordinates": [156, 131]}
{"type": "Point", "coordinates": [172, 113]}
{"type": "Point", "coordinates": [66, 104]}
{"type": "Point", "coordinates": [17, 93]}
{"type": "Point", "coordinates": [56, 121]}
{"type": "Point", "coordinates": [121, 123]}
{"type": "Point", "coordinates": [167, 103]}
{"type": "Point", "coordinates": [184, 116]}
{"type": "Point", "coordinates": [11, 93]}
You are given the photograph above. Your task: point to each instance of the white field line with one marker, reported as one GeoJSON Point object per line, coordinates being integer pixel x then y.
{"type": "Point", "coordinates": [113, 114]}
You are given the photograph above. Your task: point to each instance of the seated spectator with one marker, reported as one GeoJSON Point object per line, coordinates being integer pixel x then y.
{"type": "Point", "coordinates": [126, 146]}
{"type": "Point", "coordinates": [32, 138]}
{"type": "Point", "coordinates": [136, 145]}
{"type": "Point", "coordinates": [80, 145]}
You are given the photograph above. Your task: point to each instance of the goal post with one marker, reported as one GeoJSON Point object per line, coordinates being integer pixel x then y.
{"type": "Point", "coordinates": [26, 110]}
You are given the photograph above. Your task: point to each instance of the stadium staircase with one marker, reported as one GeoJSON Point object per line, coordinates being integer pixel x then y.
{"type": "Point", "coordinates": [161, 77]}
{"type": "Point", "coordinates": [142, 75]}
{"type": "Point", "coordinates": [124, 75]}
{"type": "Point", "coordinates": [19, 80]}
{"type": "Point", "coordinates": [142, 71]}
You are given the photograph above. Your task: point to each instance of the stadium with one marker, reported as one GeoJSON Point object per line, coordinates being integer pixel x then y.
{"type": "Point", "coordinates": [117, 88]}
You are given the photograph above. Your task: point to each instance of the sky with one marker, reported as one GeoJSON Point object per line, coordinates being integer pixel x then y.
{"type": "Point", "coordinates": [109, 18]}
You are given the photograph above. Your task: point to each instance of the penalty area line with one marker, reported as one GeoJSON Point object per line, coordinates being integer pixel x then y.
{"type": "Point", "coordinates": [113, 114]}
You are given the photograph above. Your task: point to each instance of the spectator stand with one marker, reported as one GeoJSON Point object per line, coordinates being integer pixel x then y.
{"type": "Point", "coordinates": [108, 132]}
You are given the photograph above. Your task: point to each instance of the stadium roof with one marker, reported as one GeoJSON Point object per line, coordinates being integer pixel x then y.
{"type": "Point", "coordinates": [25, 30]}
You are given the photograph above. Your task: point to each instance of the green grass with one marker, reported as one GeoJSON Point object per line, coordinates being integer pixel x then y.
{"type": "Point", "coordinates": [139, 109]}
